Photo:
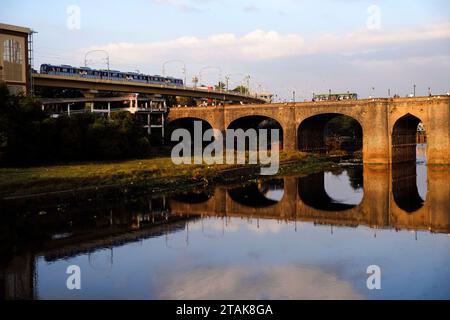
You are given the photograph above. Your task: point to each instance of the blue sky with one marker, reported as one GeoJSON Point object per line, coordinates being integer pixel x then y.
{"type": "Point", "coordinates": [285, 45]}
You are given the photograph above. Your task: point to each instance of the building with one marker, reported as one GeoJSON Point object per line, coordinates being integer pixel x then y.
{"type": "Point", "coordinates": [15, 57]}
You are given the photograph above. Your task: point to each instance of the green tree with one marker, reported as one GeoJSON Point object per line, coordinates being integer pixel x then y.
{"type": "Point", "coordinates": [20, 125]}
{"type": "Point", "coordinates": [220, 86]}
{"type": "Point", "coordinates": [241, 89]}
{"type": "Point", "coordinates": [28, 135]}
{"type": "Point", "coordinates": [5, 101]}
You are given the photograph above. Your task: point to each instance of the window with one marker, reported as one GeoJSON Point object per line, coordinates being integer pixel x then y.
{"type": "Point", "coordinates": [12, 51]}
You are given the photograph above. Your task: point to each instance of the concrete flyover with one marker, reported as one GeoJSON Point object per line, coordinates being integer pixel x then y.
{"type": "Point", "coordinates": [86, 84]}
{"type": "Point", "coordinates": [389, 126]}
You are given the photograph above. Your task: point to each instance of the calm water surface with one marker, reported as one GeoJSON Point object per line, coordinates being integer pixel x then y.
{"type": "Point", "coordinates": [290, 238]}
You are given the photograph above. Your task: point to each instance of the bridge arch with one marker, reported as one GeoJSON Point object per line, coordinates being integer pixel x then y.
{"type": "Point", "coordinates": [187, 123]}
{"type": "Point", "coordinates": [408, 130]}
{"type": "Point", "coordinates": [234, 115]}
{"type": "Point", "coordinates": [404, 137]}
{"type": "Point", "coordinates": [257, 195]}
{"type": "Point", "coordinates": [405, 189]}
{"type": "Point", "coordinates": [258, 121]}
{"type": "Point", "coordinates": [193, 197]}
{"type": "Point", "coordinates": [346, 132]}
{"type": "Point", "coordinates": [312, 191]}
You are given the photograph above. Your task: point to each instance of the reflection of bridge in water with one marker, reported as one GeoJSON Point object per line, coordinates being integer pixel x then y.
{"type": "Point", "coordinates": [391, 200]}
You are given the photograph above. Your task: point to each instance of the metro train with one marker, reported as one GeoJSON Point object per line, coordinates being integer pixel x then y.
{"type": "Point", "coordinates": [66, 70]}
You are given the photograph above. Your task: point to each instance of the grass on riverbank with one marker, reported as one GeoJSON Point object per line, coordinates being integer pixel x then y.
{"type": "Point", "coordinates": [155, 174]}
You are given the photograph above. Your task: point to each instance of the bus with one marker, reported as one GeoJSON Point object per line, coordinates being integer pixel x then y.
{"type": "Point", "coordinates": [335, 96]}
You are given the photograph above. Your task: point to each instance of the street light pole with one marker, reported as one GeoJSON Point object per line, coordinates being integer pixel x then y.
{"type": "Point", "coordinates": [248, 84]}
{"type": "Point", "coordinates": [195, 81]}
{"type": "Point", "coordinates": [94, 51]}
{"type": "Point", "coordinates": [184, 70]}
{"type": "Point", "coordinates": [228, 77]}
{"type": "Point", "coordinates": [260, 90]}
{"type": "Point", "coordinates": [210, 67]}
{"type": "Point", "coordinates": [227, 82]}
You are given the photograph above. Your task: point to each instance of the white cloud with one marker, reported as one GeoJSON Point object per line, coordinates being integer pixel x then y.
{"type": "Point", "coordinates": [220, 227]}
{"type": "Point", "coordinates": [252, 282]}
{"type": "Point", "coordinates": [364, 39]}
{"type": "Point", "coordinates": [392, 64]}
{"type": "Point", "coordinates": [260, 45]}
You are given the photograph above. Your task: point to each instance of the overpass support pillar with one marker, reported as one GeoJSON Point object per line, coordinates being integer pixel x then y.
{"type": "Point", "coordinates": [89, 105]}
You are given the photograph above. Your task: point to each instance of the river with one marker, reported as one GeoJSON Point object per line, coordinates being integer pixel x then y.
{"type": "Point", "coordinates": [310, 237]}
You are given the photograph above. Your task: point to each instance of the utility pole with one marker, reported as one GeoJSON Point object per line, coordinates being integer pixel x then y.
{"type": "Point", "coordinates": [183, 69]}
{"type": "Point", "coordinates": [414, 91]}
{"type": "Point", "coordinates": [248, 84]}
{"type": "Point", "coordinates": [195, 81]}
{"type": "Point", "coordinates": [293, 96]}
{"type": "Point", "coordinates": [96, 51]}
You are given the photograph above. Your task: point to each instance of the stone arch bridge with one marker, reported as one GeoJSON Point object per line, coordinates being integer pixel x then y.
{"type": "Point", "coordinates": [389, 126]}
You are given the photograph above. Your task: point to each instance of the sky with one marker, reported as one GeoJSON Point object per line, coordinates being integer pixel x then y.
{"type": "Point", "coordinates": [367, 47]}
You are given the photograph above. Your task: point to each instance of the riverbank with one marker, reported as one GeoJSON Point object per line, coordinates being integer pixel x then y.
{"type": "Point", "coordinates": [150, 175]}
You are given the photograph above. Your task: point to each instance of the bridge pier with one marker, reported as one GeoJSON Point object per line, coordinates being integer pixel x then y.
{"type": "Point", "coordinates": [437, 128]}
{"type": "Point", "coordinates": [289, 131]}
{"type": "Point", "coordinates": [374, 120]}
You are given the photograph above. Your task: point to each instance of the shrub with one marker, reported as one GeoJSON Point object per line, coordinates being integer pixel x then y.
{"type": "Point", "coordinates": [29, 136]}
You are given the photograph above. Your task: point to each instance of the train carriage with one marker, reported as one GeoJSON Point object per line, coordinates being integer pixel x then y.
{"type": "Point", "coordinates": [85, 72]}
